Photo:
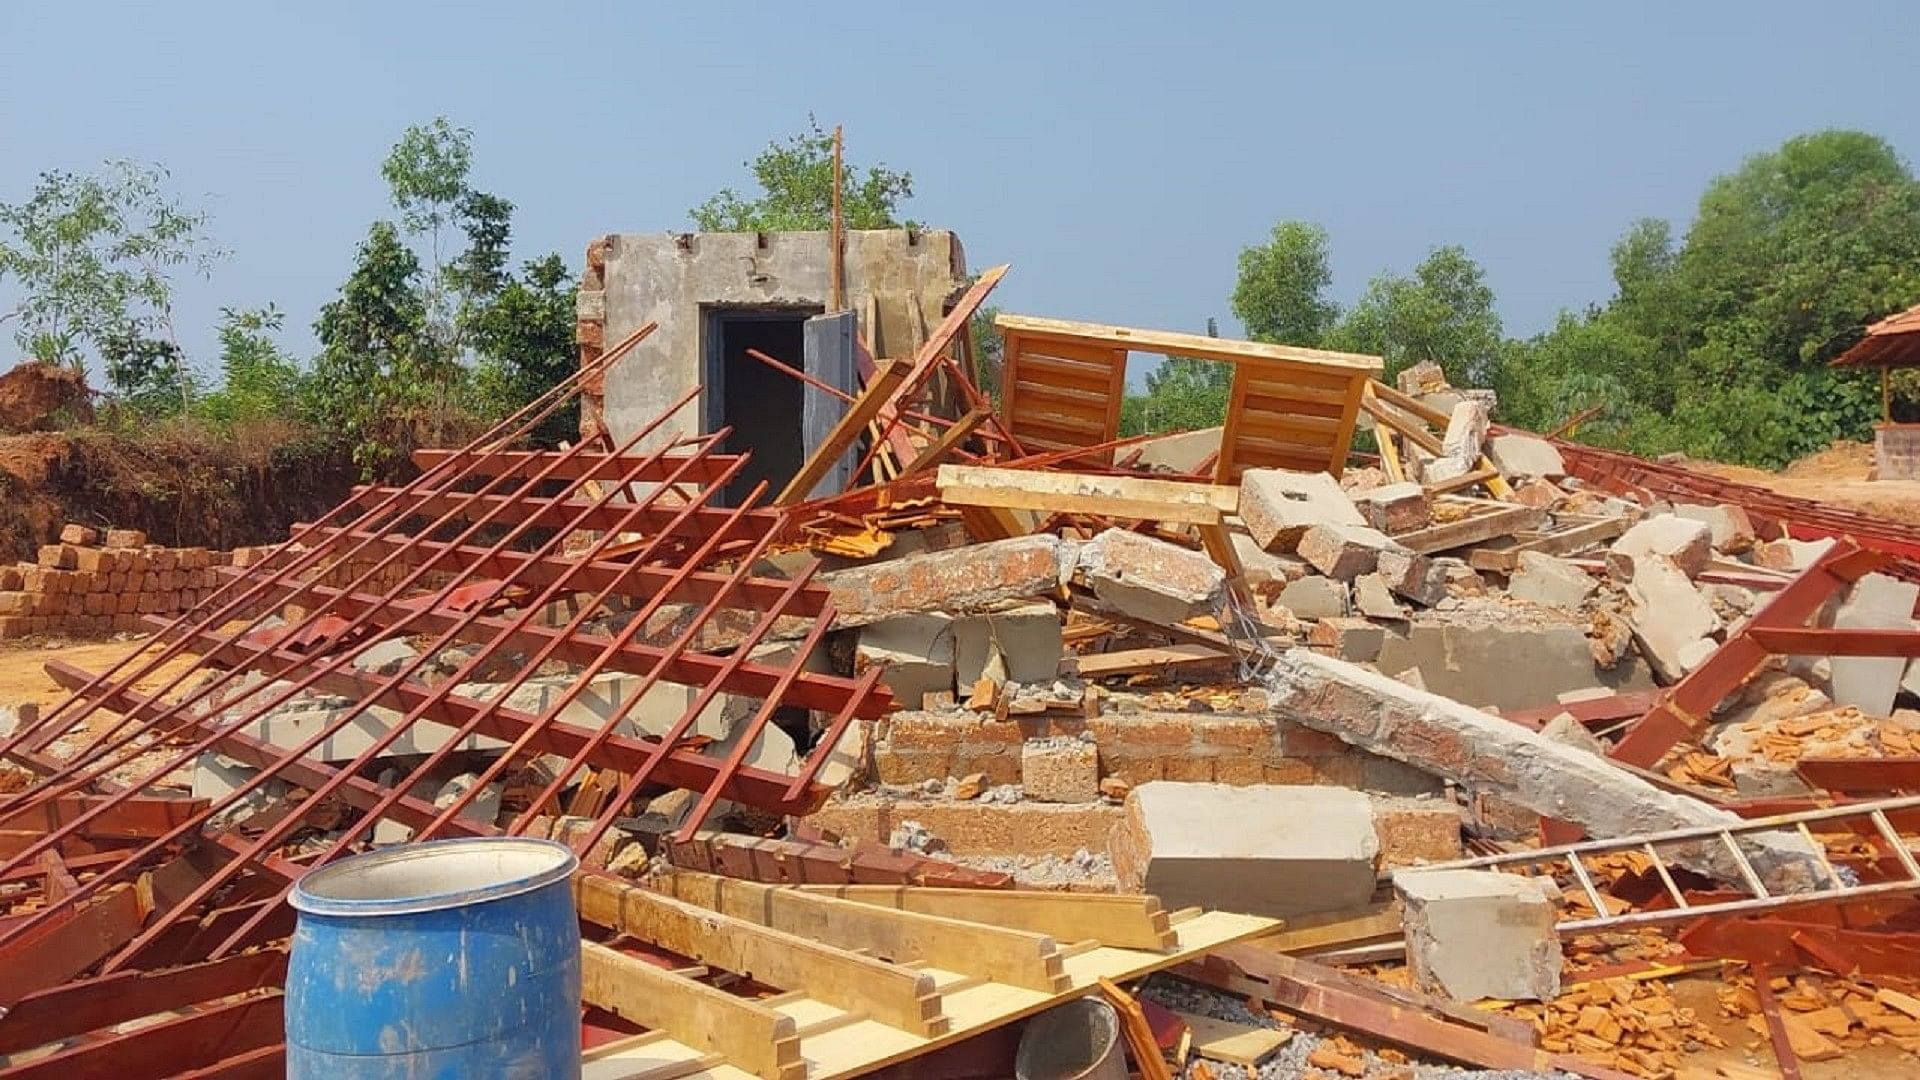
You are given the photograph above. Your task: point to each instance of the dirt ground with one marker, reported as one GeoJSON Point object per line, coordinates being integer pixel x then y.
{"type": "Point", "coordinates": [23, 677]}
{"type": "Point", "coordinates": [1836, 475]}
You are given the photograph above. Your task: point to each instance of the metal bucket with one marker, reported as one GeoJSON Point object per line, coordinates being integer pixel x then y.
{"type": "Point", "coordinates": [445, 959]}
{"type": "Point", "coordinates": [1076, 1041]}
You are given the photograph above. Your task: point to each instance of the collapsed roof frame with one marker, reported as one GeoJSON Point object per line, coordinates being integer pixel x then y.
{"type": "Point", "coordinates": [469, 554]}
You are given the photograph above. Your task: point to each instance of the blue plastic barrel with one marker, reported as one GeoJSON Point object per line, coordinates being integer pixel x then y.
{"type": "Point", "coordinates": [435, 961]}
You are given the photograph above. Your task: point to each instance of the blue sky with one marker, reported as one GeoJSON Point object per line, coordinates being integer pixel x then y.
{"type": "Point", "coordinates": [1118, 155]}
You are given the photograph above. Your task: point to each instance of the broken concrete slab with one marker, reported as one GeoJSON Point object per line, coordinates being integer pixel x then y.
{"type": "Point", "coordinates": [1314, 597]}
{"type": "Point", "coordinates": [1670, 620]}
{"type": "Point", "coordinates": [1732, 529]}
{"type": "Point", "coordinates": [1374, 600]}
{"type": "Point", "coordinates": [1412, 575]}
{"type": "Point", "coordinates": [1687, 543]}
{"type": "Point", "coordinates": [1491, 756]}
{"type": "Point", "coordinates": [962, 580]}
{"type": "Point", "coordinates": [1151, 579]}
{"type": "Point", "coordinates": [1280, 851]}
{"type": "Point", "coordinates": [1474, 934]}
{"type": "Point", "coordinates": [1394, 508]}
{"type": "Point", "coordinates": [1350, 638]}
{"type": "Point", "coordinates": [1028, 638]}
{"type": "Point", "coordinates": [1279, 505]}
{"type": "Point", "coordinates": [1550, 582]}
{"type": "Point", "coordinates": [1487, 660]}
{"type": "Point", "coordinates": [917, 652]}
{"type": "Point", "coordinates": [1521, 456]}
{"type": "Point", "coordinates": [1876, 602]}
{"type": "Point", "coordinates": [1792, 555]}
{"type": "Point", "coordinates": [1343, 551]}
{"type": "Point", "coordinates": [1060, 770]}
{"type": "Point", "coordinates": [1182, 452]}
{"type": "Point", "coordinates": [1263, 569]}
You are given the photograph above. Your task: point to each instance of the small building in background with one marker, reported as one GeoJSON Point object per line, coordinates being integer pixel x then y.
{"type": "Point", "coordinates": [1893, 342]}
{"type": "Point", "coordinates": [717, 295]}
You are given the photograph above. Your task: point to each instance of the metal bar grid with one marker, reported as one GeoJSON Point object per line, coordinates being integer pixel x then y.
{"type": "Point", "coordinates": [1830, 887]}
{"type": "Point", "coordinates": [467, 562]}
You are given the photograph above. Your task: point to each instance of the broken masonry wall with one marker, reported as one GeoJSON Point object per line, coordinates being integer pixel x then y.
{"type": "Point", "coordinates": [904, 275]}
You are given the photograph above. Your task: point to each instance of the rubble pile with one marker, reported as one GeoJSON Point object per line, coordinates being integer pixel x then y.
{"type": "Point", "coordinates": [1472, 752]}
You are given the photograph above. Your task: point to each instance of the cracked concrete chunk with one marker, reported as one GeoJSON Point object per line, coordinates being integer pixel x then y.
{"type": "Point", "coordinates": [1474, 934]}
{"type": "Point", "coordinates": [1279, 505]}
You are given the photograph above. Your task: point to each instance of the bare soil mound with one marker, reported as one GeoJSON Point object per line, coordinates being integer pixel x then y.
{"type": "Point", "coordinates": [41, 397]}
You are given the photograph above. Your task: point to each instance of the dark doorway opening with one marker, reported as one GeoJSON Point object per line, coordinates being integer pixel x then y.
{"type": "Point", "coordinates": [760, 404]}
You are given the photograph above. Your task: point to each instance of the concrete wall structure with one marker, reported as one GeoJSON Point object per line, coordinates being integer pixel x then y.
{"type": "Point", "coordinates": [902, 277]}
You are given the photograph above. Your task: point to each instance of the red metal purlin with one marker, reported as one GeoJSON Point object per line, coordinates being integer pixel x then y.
{"type": "Point", "coordinates": [488, 597]}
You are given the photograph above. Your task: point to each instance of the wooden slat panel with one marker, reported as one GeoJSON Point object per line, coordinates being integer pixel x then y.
{"type": "Point", "coordinates": [1270, 377]}
{"type": "Point", "coordinates": [1289, 427]}
{"type": "Point", "coordinates": [1075, 396]}
{"type": "Point", "coordinates": [1048, 371]}
{"type": "Point", "coordinates": [1058, 429]}
{"type": "Point", "coordinates": [1093, 412]}
{"type": "Point", "coordinates": [1333, 410]}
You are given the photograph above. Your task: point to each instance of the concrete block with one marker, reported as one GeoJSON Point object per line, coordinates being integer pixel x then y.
{"type": "Point", "coordinates": [1466, 430]}
{"type": "Point", "coordinates": [1314, 597]}
{"type": "Point", "coordinates": [917, 652]}
{"type": "Point", "coordinates": [1790, 554]}
{"type": "Point", "coordinates": [1394, 508]}
{"type": "Point", "coordinates": [1669, 618]}
{"type": "Point", "coordinates": [1732, 529]}
{"type": "Point", "coordinates": [1474, 934]}
{"type": "Point", "coordinates": [1343, 551]}
{"type": "Point", "coordinates": [961, 580]}
{"type": "Point", "coordinates": [1374, 600]}
{"type": "Point", "coordinates": [79, 535]}
{"type": "Point", "coordinates": [1274, 850]}
{"type": "Point", "coordinates": [1265, 570]}
{"type": "Point", "coordinates": [1506, 663]}
{"type": "Point", "coordinates": [1354, 639]}
{"type": "Point", "coordinates": [1687, 543]}
{"type": "Point", "coordinates": [1876, 602]}
{"type": "Point", "coordinates": [1521, 456]}
{"type": "Point", "coordinates": [1028, 638]}
{"type": "Point", "coordinates": [1550, 582]}
{"type": "Point", "coordinates": [1412, 575]}
{"type": "Point", "coordinates": [1062, 770]}
{"type": "Point", "coordinates": [1279, 505]}
{"type": "Point", "coordinates": [1151, 579]}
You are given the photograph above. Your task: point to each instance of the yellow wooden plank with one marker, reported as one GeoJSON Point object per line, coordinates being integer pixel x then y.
{"type": "Point", "coordinates": [1014, 957]}
{"type": "Point", "coordinates": [1106, 496]}
{"type": "Point", "coordinates": [750, 1036]}
{"type": "Point", "coordinates": [1235, 1044]}
{"type": "Point", "coordinates": [1169, 343]}
{"type": "Point", "coordinates": [892, 994]}
{"type": "Point", "coordinates": [1131, 921]}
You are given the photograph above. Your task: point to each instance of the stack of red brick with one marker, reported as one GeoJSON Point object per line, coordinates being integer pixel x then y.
{"type": "Point", "coordinates": [95, 583]}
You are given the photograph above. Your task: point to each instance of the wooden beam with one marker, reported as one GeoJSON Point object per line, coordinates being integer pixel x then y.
{"type": "Point", "coordinates": [1168, 343]}
{"type": "Point", "coordinates": [1333, 930]}
{"type": "Point", "coordinates": [1171, 501]}
{"type": "Point", "coordinates": [1128, 661]}
{"type": "Point", "coordinates": [1560, 542]}
{"type": "Point", "coordinates": [948, 441]}
{"type": "Point", "coordinates": [999, 954]}
{"type": "Point", "coordinates": [749, 1035]}
{"type": "Point", "coordinates": [891, 994]}
{"type": "Point", "coordinates": [1504, 521]}
{"type": "Point", "coordinates": [1464, 481]}
{"type": "Point", "coordinates": [1412, 404]}
{"type": "Point", "coordinates": [1133, 922]}
{"type": "Point", "coordinates": [888, 375]}
{"type": "Point", "coordinates": [1394, 421]}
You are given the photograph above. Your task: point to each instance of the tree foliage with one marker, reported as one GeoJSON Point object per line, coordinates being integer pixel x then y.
{"type": "Point", "coordinates": [1281, 292]}
{"type": "Point", "coordinates": [94, 257]}
{"type": "Point", "coordinates": [795, 179]}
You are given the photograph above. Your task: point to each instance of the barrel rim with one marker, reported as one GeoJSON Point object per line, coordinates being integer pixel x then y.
{"type": "Point", "coordinates": [303, 898]}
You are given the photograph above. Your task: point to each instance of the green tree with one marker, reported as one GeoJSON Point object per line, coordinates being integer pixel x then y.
{"type": "Point", "coordinates": [1184, 393]}
{"type": "Point", "coordinates": [1443, 313]}
{"type": "Point", "coordinates": [374, 381]}
{"type": "Point", "coordinates": [94, 257]}
{"type": "Point", "coordinates": [1280, 294]}
{"type": "Point", "coordinates": [796, 191]}
{"type": "Point", "coordinates": [525, 339]}
{"type": "Point", "coordinates": [258, 380]}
